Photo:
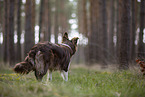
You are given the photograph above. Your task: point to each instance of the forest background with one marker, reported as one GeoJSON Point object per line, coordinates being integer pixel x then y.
{"type": "Point", "coordinates": [111, 32]}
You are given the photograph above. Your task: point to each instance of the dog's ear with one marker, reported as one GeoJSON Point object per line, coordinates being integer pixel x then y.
{"type": "Point", "coordinates": [65, 36]}
{"type": "Point", "coordinates": [74, 40]}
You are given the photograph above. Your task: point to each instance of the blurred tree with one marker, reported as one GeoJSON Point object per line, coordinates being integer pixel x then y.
{"type": "Point", "coordinates": [93, 39]}
{"type": "Point", "coordinates": [46, 21]}
{"type": "Point", "coordinates": [11, 33]}
{"type": "Point", "coordinates": [33, 19]}
{"type": "Point", "coordinates": [56, 26]}
{"type": "Point", "coordinates": [48, 38]}
{"type": "Point", "coordinates": [133, 31]}
{"type": "Point", "coordinates": [111, 19]}
{"type": "Point", "coordinates": [97, 44]}
{"type": "Point", "coordinates": [82, 27]}
{"type": "Point", "coordinates": [5, 35]}
{"type": "Point", "coordinates": [63, 16]}
{"type": "Point", "coordinates": [124, 33]}
{"type": "Point", "coordinates": [141, 51]}
{"type": "Point", "coordinates": [19, 30]}
{"type": "Point", "coordinates": [82, 17]}
{"type": "Point", "coordinates": [103, 32]}
{"type": "Point", "coordinates": [1, 27]}
{"type": "Point", "coordinates": [40, 18]}
{"type": "Point", "coordinates": [29, 34]}
{"type": "Point", "coordinates": [117, 30]}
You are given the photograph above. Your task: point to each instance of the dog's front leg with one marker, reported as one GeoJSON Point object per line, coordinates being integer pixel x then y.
{"type": "Point", "coordinates": [49, 76]}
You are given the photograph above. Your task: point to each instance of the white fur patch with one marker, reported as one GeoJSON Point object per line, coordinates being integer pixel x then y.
{"type": "Point", "coordinates": [39, 62]}
{"type": "Point", "coordinates": [62, 75]}
{"type": "Point", "coordinates": [68, 66]}
{"type": "Point", "coordinates": [49, 76]}
{"type": "Point", "coordinates": [66, 75]}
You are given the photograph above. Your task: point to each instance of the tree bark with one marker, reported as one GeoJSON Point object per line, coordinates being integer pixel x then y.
{"type": "Point", "coordinates": [124, 33]}
{"type": "Point", "coordinates": [49, 22]}
{"type": "Point", "coordinates": [29, 38]}
{"type": "Point", "coordinates": [141, 53]}
{"type": "Point", "coordinates": [111, 49]}
{"type": "Point", "coordinates": [63, 16]}
{"type": "Point", "coordinates": [93, 34]}
{"type": "Point", "coordinates": [40, 18]}
{"type": "Point", "coordinates": [104, 34]}
{"type": "Point", "coordinates": [5, 35]}
{"type": "Point", "coordinates": [46, 21]}
{"type": "Point", "coordinates": [11, 33]}
{"type": "Point", "coordinates": [1, 28]}
{"type": "Point", "coordinates": [33, 20]}
{"type": "Point", "coordinates": [133, 32]}
{"type": "Point", "coordinates": [56, 30]}
{"type": "Point", "coordinates": [82, 15]}
{"type": "Point", "coordinates": [19, 30]}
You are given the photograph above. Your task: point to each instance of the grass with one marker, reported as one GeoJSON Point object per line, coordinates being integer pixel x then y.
{"type": "Point", "coordinates": [82, 83]}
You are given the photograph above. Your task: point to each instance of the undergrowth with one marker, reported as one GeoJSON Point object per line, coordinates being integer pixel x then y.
{"type": "Point", "coordinates": [82, 83]}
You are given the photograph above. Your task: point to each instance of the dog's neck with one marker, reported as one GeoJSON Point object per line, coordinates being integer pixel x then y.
{"type": "Point", "coordinates": [66, 45]}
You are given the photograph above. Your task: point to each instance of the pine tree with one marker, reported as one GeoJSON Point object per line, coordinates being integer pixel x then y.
{"type": "Point", "coordinates": [124, 33]}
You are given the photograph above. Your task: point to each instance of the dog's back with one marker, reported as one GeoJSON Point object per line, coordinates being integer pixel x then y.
{"type": "Point", "coordinates": [54, 56]}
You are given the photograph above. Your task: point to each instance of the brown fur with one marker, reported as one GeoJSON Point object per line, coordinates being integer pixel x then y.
{"type": "Point", "coordinates": [48, 56]}
{"type": "Point", "coordinates": [142, 66]}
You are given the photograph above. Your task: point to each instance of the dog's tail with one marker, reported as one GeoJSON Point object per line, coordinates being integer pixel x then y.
{"type": "Point", "coordinates": [23, 68]}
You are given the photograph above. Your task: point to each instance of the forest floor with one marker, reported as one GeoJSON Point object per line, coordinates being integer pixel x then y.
{"type": "Point", "coordinates": [82, 82]}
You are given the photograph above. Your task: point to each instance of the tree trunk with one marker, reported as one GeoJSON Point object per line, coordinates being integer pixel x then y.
{"type": "Point", "coordinates": [124, 33]}
{"type": "Point", "coordinates": [117, 31]}
{"type": "Point", "coordinates": [63, 20]}
{"type": "Point", "coordinates": [93, 34]}
{"type": "Point", "coordinates": [141, 53]}
{"type": "Point", "coordinates": [46, 21]}
{"type": "Point", "coordinates": [29, 38]}
{"type": "Point", "coordinates": [49, 22]}
{"type": "Point", "coordinates": [40, 18]}
{"type": "Point", "coordinates": [82, 24]}
{"type": "Point", "coordinates": [11, 33]}
{"type": "Point", "coordinates": [1, 27]}
{"type": "Point", "coordinates": [19, 30]}
{"type": "Point", "coordinates": [33, 20]}
{"type": "Point", "coordinates": [56, 30]}
{"type": "Point", "coordinates": [133, 32]}
{"type": "Point", "coordinates": [111, 31]}
{"type": "Point", "coordinates": [104, 35]}
{"type": "Point", "coordinates": [5, 35]}
{"type": "Point", "coordinates": [82, 15]}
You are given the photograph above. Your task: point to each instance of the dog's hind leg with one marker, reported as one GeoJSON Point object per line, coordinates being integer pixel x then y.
{"type": "Point", "coordinates": [49, 76]}
{"type": "Point", "coordinates": [62, 75]}
{"type": "Point", "coordinates": [65, 75]}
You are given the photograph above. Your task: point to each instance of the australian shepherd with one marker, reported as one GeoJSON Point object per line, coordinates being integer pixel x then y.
{"type": "Point", "coordinates": [47, 57]}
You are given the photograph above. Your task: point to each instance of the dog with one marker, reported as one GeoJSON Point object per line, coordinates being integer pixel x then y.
{"type": "Point", "coordinates": [47, 57]}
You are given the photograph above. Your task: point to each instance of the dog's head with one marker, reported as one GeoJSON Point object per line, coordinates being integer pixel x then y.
{"type": "Point", "coordinates": [72, 43]}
